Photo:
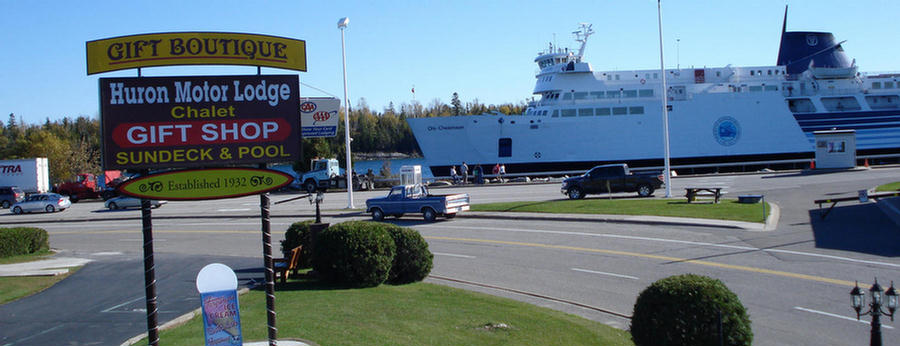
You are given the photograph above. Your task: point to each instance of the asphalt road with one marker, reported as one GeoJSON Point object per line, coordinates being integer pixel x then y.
{"type": "Point", "coordinates": [794, 279]}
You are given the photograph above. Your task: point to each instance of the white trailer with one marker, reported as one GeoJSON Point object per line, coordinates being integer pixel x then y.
{"type": "Point", "coordinates": [30, 175]}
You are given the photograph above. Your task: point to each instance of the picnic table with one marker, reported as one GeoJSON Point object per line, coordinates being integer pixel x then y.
{"type": "Point", "coordinates": [692, 192]}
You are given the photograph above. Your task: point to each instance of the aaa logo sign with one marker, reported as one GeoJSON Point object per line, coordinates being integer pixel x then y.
{"type": "Point", "coordinates": [201, 184]}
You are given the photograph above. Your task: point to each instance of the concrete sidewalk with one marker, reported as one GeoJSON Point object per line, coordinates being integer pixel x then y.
{"type": "Point", "coordinates": [47, 267]}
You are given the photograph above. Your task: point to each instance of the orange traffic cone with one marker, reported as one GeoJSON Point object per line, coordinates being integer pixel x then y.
{"type": "Point", "coordinates": [812, 164]}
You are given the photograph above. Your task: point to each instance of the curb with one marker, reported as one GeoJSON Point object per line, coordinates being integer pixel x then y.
{"type": "Point", "coordinates": [629, 219]}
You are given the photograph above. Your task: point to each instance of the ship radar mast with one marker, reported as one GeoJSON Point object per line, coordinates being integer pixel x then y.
{"type": "Point", "coordinates": [582, 37]}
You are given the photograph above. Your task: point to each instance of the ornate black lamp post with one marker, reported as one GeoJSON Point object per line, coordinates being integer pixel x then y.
{"type": "Point", "coordinates": [877, 294]}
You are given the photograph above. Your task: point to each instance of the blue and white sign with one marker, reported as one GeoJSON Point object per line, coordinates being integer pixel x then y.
{"type": "Point", "coordinates": [319, 116]}
{"type": "Point", "coordinates": [727, 131]}
{"type": "Point", "coordinates": [217, 285]}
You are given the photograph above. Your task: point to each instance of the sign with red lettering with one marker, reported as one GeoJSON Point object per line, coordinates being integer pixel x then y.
{"type": "Point", "coordinates": [172, 122]}
{"type": "Point", "coordinates": [319, 116]}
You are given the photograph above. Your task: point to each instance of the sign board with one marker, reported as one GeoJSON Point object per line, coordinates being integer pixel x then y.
{"type": "Point", "coordinates": [202, 184]}
{"type": "Point", "coordinates": [217, 285]}
{"type": "Point", "coordinates": [319, 116]}
{"type": "Point", "coordinates": [169, 122]}
{"type": "Point", "coordinates": [194, 48]}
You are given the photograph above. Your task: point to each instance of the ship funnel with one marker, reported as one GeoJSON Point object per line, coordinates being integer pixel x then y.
{"type": "Point", "coordinates": [801, 49]}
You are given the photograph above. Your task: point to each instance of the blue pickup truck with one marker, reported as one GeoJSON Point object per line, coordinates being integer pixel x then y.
{"type": "Point", "coordinates": [404, 199]}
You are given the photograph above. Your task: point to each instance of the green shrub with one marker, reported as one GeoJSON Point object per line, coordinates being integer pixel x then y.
{"type": "Point", "coordinates": [355, 253]}
{"type": "Point", "coordinates": [298, 234]}
{"type": "Point", "coordinates": [412, 261]}
{"type": "Point", "coordinates": [683, 309]}
{"type": "Point", "coordinates": [22, 241]}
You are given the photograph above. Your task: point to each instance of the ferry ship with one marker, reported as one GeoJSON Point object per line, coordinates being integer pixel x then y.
{"type": "Point", "coordinates": [730, 116]}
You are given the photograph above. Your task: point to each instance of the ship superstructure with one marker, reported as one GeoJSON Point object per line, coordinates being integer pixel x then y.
{"type": "Point", "coordinates": [717, 116]}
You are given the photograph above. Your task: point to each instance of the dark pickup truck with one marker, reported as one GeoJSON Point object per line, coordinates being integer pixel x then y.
{"type": "Point", "coordinates": [609, 179]}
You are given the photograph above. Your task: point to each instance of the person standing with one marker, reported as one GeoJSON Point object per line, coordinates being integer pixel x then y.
{"type": "Point", "coordinates": [453, 175]}
{"type": "Point", "coordinates": [496, 171]}
{"type": "Point", "coordinates": [502, 172]}
{"type": "Point", "coordinates": [465, 173]}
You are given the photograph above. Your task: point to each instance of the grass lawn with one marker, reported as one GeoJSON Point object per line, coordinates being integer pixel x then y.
{"type": "Point", "coordinates": [726, 209]}
{"type": "Point", "coordinates": [889, 187]}
{"type": "Point", "coordinates": [415, 314]}
{"type": "Point", "coordinates": [15, 287]}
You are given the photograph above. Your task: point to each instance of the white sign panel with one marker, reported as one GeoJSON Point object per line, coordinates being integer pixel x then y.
{"type": "Point", "coordinates": [319, 116]}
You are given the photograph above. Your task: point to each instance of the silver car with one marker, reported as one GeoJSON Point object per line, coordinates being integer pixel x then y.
{"type": "Point", "coordinates": [122, 202]}
{"type": "Point", "coordinates": [42, 202]}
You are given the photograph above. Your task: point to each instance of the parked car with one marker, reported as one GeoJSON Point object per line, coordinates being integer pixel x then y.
{"type": "Point", "coordinates": [122, 202]}
{"type": "Point", "coordinates": [42, 202]}
{"type": "Point", "coordinates": [609, 179]}
{"type": "Point", "coordinates": [404, 199]}
{"type": "Point", "coordinates": [10, 195]}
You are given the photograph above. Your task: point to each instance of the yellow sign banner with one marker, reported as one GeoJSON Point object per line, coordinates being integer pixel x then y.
{"type": "Point", "coordinates": [194, 48]}
{"type": "Point", "coordinates": [202, 184]}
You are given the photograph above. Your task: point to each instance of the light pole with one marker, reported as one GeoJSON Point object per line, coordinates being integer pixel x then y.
{"type": "Point", "coordinates": [342, 24]}
{"type": "Point", "coordinates": [665, 107]}
{"type": "Point", "coordinates": [877, 294]}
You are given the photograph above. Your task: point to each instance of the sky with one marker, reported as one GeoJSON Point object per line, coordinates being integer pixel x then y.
{"type": "Point", "coordinates": [481, 49]}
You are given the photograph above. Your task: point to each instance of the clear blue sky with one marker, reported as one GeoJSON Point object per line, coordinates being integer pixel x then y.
{"type": "Point", "coordinates": [480, 49]}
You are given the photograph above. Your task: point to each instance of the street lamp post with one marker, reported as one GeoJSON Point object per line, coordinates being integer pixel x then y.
{"type": "Point", "coordinates": [878, 295]}
{"type": "Point", "coordinates": [342, 24]}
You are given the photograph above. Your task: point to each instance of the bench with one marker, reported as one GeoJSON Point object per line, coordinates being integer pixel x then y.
{"type": "Point", "coordinates": [862, 197]}
{"type": "Point", "coordinates": [286, 266]}
{"type": "Point", "coordinates": [692, 192]}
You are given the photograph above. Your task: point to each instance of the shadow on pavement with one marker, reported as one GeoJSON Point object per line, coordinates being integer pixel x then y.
{"type": "Point", "coordinates": [856, 227]}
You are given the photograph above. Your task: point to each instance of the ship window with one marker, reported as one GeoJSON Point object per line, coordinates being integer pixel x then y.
{"type": "Point", "coordinates": [718, 73]}
{"type": "Point", "coordinates": [803, 105]}
{"type": "Point", "coordinates": [596, 94]}
{"type": "Point", "coordinates": [646, 92]}
{"type": "Point", "coordinates": [655, 75]}
{"type": "Point", "coordinates": [567, 96]}
{"type": "Point", "coordinates": [771, 88]}
{"type": "Point", "coordinates": [888, 85]}
{"type": "Point", "coordinates": [609, 77]}
{"type": "Point", "coordinates": [755, 88]}
{"type": "Point", "coordinates": [769, 72]}
{"type": "Point", "coordinates": [636, 110]}
{"type": "Point", "coordinates": [617, 77]}
{"type": "Point", "coordinates": [612, 94]}
{"type": "Point", "coordinates": [504, 147]}
{"type": "Point", "coordinates": [602, 111]}
{"type": "Point", "coordinates": [555, 113]}
{"type": "Point", "coordinates": [620, 110]}
{"type": "Point", "coordinates": [568, 112]}
{"type": "Point", "coordinates": [581, 95]}
{"type": "Point", "coordinates": [876, 85]}
{"type": "Point", "coordinates": [751, 72]}
{"type": "Point", "coordinates": [544, 112]}
{"type": "Point", "coordinates": [883, 102]}
{"type": "Point", "coordinates": [840, 104]}
{"type": "Point", "coordinates": [629, 93]}
{"type": "Point", "coordinates": [585, 112]}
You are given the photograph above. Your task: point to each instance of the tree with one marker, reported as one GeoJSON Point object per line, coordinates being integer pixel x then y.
{"type": "Point", "coordinates": [457, 105]}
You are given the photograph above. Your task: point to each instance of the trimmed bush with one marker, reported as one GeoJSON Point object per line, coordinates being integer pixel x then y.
{"type": "Point", "coordinates": [412, 261]}
{"type": "Point", "coordinates": [298, 234]}
{"type": "Point", "coordinates": [683, 309]}
{"type": "Point", "coordinates": [22, 241]}
{"type": "Point", "coordinates": [355, 253]}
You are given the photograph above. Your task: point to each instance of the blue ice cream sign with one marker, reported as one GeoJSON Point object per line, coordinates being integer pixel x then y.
{"type": "Point", "coordinates": [217, 285]}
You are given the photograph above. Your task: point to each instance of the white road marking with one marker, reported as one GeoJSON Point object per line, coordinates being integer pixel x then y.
{"type": "Point", "coordinates": [605, 273]}
{"type": "Point", "coordinates": [838, 316]}
{"type": "Point", "coordinates": [239, 209]}
{"type": "Point", "coordinates": [452, 255]}
{"type": "Point", "coordinates": [154, 240]}
{"type": "Point", "coordinates": [687, 242]}
{"type": "Point", "coordinates": [123, 304]}
{"type": "Point", "coordinates": [112, 253]}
